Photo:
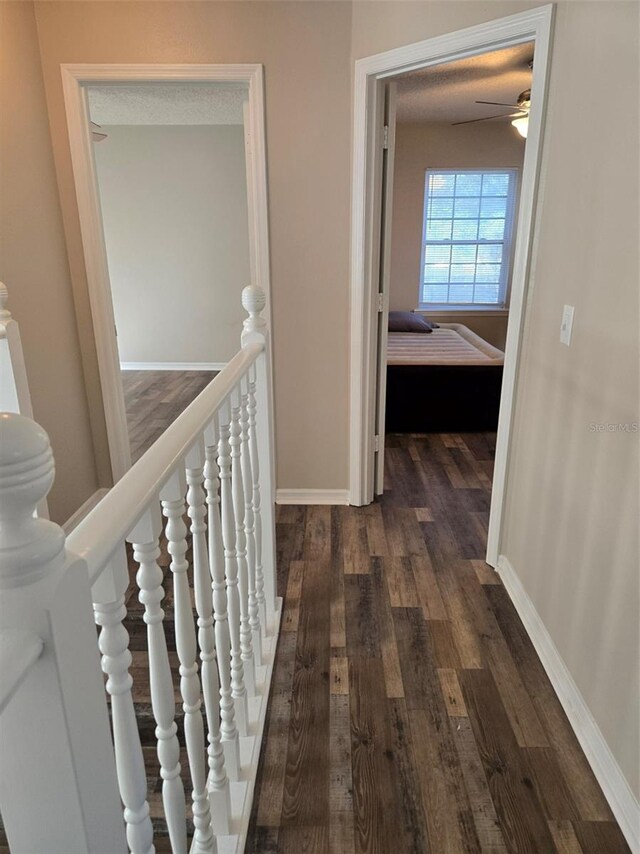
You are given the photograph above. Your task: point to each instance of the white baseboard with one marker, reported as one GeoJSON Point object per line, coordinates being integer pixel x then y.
{"type": "Point", "coordinates": [172, 366]}
{"type": "Point", "coordinates": [312, 496]}
{"type": "Point", "coordinates": [84, 510]}
{"type": "Point", "coordinates": [617, 791]}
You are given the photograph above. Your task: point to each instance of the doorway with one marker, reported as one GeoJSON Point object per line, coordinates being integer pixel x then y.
{"type": "Point", "coordinates": [172, 181]}
{"type": "Point", "coordinates": [373, 169]}
{"type": "Point", "coordinates": [170, 172]}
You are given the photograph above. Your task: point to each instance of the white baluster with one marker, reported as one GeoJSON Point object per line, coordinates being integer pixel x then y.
{"type": "Point", "coordinates": [255, 332]}
{"type": "Point", "coordinates": [237, 488]}
{"type": "Point", "coordinates": [218, 784]}
{"type": "Point", "coordinates": [249, 526]}
{"type": "Point", "coordinates": [173, 507]}
{"type": "Point", "coordinates": [238, 690]}
{"type": "Point", "coordinates": [257, 512]}
{"type": "Point", "coordinates": [110, 612]}
{"type": "Point", "coordinates": [144, 538]}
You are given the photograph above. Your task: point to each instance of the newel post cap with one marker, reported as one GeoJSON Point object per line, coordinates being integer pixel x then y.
{"type": "Point", "coordinates": [4, 298]}
{"type": "Point", "coordinates": [254, 299]}
{"type": "Point", "coordinates": [254, 327]}
{"type": "Point", "coordinates": [27, 544]}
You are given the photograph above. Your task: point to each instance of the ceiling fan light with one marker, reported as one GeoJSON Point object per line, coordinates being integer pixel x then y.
{"type": "Point", "coordinates": [521, 125]}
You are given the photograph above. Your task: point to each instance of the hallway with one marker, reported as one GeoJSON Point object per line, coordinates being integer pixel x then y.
{"type": "Point", "coordinates": [409, 711]}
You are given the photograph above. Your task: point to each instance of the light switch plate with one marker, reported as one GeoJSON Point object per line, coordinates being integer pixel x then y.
{"type": "Point", "coordinates": [567, 325]}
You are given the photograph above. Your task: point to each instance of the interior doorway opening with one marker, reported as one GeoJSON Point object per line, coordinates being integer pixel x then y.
{"type": "Point", "coordinates": [450, 220]}
{"type": "Point", "coordinates": [440, 285]}
{"type": "Point", "coordinates": [169, 164]}
{"type": "Point", "coordinates": [172, 181]}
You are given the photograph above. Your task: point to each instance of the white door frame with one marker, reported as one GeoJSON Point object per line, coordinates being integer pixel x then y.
{"type": "Point", "coordinates": [75, 78]}
{"type": "Point", "coordinates": [533, 25]}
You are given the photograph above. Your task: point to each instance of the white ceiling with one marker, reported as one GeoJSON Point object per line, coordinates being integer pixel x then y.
{"type": "Point", "coordinates": [447, 92]}
{"type": "Point", "coordinates": [167, 103]}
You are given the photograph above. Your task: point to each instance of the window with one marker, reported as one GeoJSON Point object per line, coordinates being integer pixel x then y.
{"type": "Point", "coordinates": [466, 245]}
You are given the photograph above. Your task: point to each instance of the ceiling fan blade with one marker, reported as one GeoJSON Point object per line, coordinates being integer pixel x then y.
{"type": "Point", "coordinates": [487, 118]}
{"type": "Point", "coordinates": [499, 104]}
{"type": "Point", "coordinates": [97, 134]}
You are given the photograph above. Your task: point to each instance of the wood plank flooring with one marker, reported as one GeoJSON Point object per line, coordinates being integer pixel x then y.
{"type": "Point", "coordinates": [409, 711]}
{"type": "Point", "coordinates": [154, 399]}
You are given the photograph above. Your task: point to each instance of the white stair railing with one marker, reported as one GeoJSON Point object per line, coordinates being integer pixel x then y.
{"type": "Point", "coordinates": [70, 783]}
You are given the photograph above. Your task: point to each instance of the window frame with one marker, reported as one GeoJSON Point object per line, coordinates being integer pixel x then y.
{"type": "Point", "coordinates": [507, 242]}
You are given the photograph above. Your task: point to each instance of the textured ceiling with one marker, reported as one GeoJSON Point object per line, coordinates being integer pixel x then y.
{"type": "Point", "coordinates": [167, 104]}
{"type": "Point", "coordinates": [447, 92]}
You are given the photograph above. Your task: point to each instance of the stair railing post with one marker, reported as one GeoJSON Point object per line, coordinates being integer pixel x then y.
{"type": "Point", "coordinates": [14, 386]}
{"type": "Point", "coordinates": [255, 332]}
{"type": "Point", "coordinates": [227, 735]}
{"type": "Point", "coordinates": [174, 508]}
{"type": "Point", "coordinates": [237, 491]}
{"type": "Point", "coordinates": [238, 688]}
{"type": "Point", "coordinates": [58, 787]}
{"type": "Point", "coordinates": [145, 539]}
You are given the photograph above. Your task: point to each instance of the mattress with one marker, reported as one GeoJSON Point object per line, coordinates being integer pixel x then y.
{"type": "Point", "coordinates": [451, 344]}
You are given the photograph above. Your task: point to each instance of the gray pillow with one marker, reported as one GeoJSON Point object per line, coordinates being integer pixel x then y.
{"type": "Point", "coordinates": [408, 321]}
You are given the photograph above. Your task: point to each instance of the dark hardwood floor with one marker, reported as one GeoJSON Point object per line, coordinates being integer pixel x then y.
{"type": "Point", "coordinates": [409, 711]}
{"type": "Point", "coordinates": [154, 399]}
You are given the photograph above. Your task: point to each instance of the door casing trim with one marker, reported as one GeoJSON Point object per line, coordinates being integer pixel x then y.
{"type": "Point", "coordinates": [75, 78]}
{"type": "Point", "coordinates": [532, 25]}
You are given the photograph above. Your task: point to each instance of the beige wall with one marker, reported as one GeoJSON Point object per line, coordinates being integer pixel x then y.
{"type": "Point", "coordinates": [174, 206]}
{"type": "Point", "coordinates": [572, 502]}
{"type": "Point", "coordinates": [305, 50]}
{"type": "Point", "coordinates": [33, 263]}
{"type": "Point", "coordinates": [378, 25]}
{"type": "Point", "coordinates": [571, 529]}
{"type": "Point", "coordinates": [441, 146]}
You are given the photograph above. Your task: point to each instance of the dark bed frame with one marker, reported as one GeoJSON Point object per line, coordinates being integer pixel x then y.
{"type": "Point", "coordinates": [442, 398]}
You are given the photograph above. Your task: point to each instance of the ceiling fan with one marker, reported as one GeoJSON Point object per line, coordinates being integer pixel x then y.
{"type": "Point", "coordinates": [520, 118]}
{"type": "Point", "coordinates": [97, 134]}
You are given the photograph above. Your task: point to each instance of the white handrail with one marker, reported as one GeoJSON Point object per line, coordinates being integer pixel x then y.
{"type": "Point", "coordinates": [110, 521]}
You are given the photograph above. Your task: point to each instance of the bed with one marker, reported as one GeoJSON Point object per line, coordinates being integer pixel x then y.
{"type": "Point", "coordinates": [446, 381]}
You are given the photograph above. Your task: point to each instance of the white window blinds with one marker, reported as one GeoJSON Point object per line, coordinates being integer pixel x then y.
{"type": "Point", "coordinates": [467, 229]}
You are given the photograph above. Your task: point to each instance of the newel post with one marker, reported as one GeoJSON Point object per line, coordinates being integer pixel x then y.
{"type": "Point", "coordinates": [14, 387]}
{"type": "Point", "coordinates": [14, 390]}
{"type": "Point", "coordinates": [58, 789]}
{"type": "Point", "coordinates": [263, 443]}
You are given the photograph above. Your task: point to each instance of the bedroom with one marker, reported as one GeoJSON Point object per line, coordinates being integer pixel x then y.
{"type": "Point", "coordinates": [458, 151]}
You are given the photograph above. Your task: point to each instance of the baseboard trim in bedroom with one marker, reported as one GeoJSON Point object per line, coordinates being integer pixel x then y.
{"type": "Point", "coordinates": [172, 366]}
{"type": "Point", "coordinates": [312, 496]}
{"type": "Point", "coordinates": [617, 791]}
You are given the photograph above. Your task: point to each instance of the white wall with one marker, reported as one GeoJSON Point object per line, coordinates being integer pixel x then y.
{"type": "Point", "coordinates": [174, 205]}
{"type": "Point", "coordinates": [441, 146]}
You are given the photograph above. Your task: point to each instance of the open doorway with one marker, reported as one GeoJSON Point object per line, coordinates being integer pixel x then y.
{"type": "Point", "coordinates": [459, 146]}
{"type": "Point", "coordinates": [401, 212]}
{"type": "Point", "coordinates": [170, 171]}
